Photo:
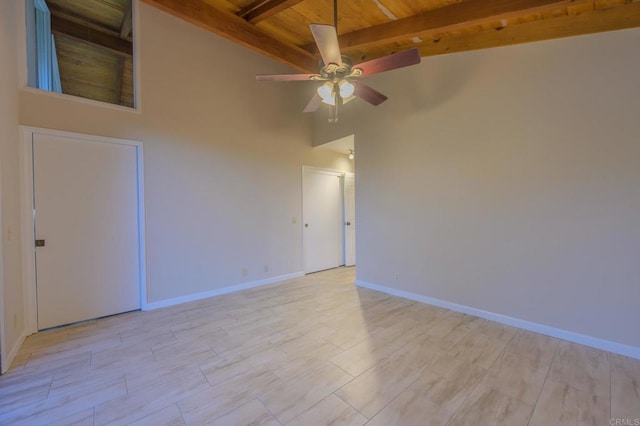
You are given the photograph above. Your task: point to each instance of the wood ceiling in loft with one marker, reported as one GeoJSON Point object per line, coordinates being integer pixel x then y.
{"type": "Point", "coordinates": [94, 48]}
{"type": "Point", "coordinates": [372, 28]}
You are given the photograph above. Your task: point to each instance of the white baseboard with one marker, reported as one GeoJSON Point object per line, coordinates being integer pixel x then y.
{"type": "Point", "coordinates": [219, 291]}
{"type": "Point", "coordinates": [6, 362]}
{"type": "Point", "coordinates": [630, 351]}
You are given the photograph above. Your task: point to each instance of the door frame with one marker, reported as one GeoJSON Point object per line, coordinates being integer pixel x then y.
{"type": "Point", "coordinates": [345, 228]}
{"type": "Point", "coordinates": [28, 219]}
{"type": "Point", "coordinates": [343, 249]}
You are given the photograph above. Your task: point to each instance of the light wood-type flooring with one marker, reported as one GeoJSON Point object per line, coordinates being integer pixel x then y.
{"type": "Point", "coordinates": [312, 351]}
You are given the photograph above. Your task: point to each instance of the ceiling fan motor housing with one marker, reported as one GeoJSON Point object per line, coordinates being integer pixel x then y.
{"type": "Point", "coordinates": [334, 72]}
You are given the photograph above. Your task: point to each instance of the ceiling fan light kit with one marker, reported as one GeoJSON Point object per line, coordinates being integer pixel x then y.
{"type": "Point", "coordinates": [340, 77]}
{"type": "Point", "coordinates": [329, 91]}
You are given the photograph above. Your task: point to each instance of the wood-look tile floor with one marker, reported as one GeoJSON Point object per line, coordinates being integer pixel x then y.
{"type": "Point", "coordinates": [312, 351]}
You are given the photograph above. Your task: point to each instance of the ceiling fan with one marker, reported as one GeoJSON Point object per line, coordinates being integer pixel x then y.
{"type": "Point", "coordinates": [339, 75]}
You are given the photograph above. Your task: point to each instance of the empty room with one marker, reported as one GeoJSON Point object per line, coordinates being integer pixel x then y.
{"type": "Point", "coordinates": [314, 212]}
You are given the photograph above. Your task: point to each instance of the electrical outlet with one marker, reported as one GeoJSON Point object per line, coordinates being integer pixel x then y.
{"type": "Point", "coordinates": [266, 268]}
{"type": "Point", "coordinates": [245, 272]}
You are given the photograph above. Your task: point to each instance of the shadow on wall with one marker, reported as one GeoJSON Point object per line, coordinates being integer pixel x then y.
{"type": "Point", "coordinates": [411, 91]}
{"type": "Point", "coordinates": [286, 101]}
{"type": "Point", "coordinates": [426, 86]}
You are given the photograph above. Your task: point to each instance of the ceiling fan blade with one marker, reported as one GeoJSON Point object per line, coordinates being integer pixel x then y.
{"type": "Point", "coordinates": [368, 94]}
{"type": "Point", "coordinates": [327, 40]}
{"type": "Point", "coordinates": [390, 62]}
{"type": "Point", "coordinates": [313, 104]}
{"type": "Point", "coordinates": [286, 77]}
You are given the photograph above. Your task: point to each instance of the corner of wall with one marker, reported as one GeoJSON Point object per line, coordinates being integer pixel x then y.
{"type": "Point", "coordinates": [13, 329]}
{"type": "Point", "coordinates": [7, 360]}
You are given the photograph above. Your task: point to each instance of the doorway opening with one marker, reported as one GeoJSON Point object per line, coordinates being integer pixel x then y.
{"type": "Point", "coordinates": [83, 208]}
{"type": "Point", "coordinates": [328, 210]}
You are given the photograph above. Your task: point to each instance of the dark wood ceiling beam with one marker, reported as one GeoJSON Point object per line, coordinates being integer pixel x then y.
{"type": "Point", "coordinates": [251, 7]}
{"type": "Point", "coordinates": [445, 19]}
{"type": "Point", "coordinates": [127, 22]}
{"type": "Point", "coordinates": [90, 35]}
{"type": "Point", "coordinates": [613, 18]}
{"type": "Point", "coordinates": [236, 29]}
{"type": "Point", "coordinates": [73, 16]}
{"type": "Point", "coordinates": [262, 9]}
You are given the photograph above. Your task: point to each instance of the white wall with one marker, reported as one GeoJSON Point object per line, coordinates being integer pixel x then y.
{"type": "Point", "coordinates": [223, 157]}
{"type": "Point", "coordinates": [11, 303]}
{"type": "Point", "coordinates": [508, 180]}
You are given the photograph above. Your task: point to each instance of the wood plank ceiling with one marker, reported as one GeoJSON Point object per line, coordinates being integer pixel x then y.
{"type": "Point", "coordinates": [372, 28]}
{"type": "Point", "coordinates": [94, 48]}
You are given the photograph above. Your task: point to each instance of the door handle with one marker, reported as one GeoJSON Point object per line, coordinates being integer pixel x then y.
{"type": "Point", "coordinates": [306, 225]}
{"type": "Point", "coordinates": [39, 243]}
{"type": "Point", "coordinates": [348, 223]}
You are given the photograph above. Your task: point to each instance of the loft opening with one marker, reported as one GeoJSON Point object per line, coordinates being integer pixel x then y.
{"type": "Point", "coordinates": [82, 48]}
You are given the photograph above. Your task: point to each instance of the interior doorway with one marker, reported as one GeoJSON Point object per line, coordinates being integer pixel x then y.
{"type": "Point", "coordinates": [85, 244]}
{"type": "Point", "coordinates": [328, 219]}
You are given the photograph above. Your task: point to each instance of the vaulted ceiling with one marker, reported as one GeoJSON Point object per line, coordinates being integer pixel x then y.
{"type": "Point", "coordinates": [94, 37]}
{"type": "Point", "coordinates": [373, 28]}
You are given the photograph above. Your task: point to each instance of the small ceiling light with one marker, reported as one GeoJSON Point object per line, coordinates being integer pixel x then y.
{"type": "Point", "coordinates": [327, 93]}
{"type": "Point", "coordinates": [347, 89]}
{"type": "Point", "coordinates": [352, 155]}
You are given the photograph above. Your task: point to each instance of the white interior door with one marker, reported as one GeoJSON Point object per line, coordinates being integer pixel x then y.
{"type": "Point", "coordinates": [86, 211]}
{"type": "Point", "coordinates": [322, 219]}
{"type": "Point", "coordinates": [349, 219]}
